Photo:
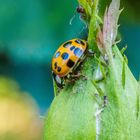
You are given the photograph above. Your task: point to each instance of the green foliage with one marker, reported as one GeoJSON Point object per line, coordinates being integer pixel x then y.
{"type": "Point", "coordinates": [104, 109]}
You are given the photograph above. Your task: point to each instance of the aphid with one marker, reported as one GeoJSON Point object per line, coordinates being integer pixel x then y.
{"type": "Point", "coordinates": [105, 101]}
{"type": "Point", "coordinates": [80, 10]}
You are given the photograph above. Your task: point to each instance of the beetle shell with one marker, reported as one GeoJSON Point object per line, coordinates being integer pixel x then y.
{"type": "Point", "coordinates": [67, 56]}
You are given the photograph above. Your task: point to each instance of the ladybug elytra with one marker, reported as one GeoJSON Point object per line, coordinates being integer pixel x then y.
{"type": "Point", "coordinates": [66, 58]}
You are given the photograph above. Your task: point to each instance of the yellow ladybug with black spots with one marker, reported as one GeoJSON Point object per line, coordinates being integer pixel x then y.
{"type": "Point", "coordinates": [66, 58]}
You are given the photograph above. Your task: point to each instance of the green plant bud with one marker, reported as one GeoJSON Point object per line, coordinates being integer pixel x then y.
{"type": "Point", "coordinates": [104, 103]}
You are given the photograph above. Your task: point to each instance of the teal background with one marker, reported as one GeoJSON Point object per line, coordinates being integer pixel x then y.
{"type": "Point", "coordinates": [31, 31]}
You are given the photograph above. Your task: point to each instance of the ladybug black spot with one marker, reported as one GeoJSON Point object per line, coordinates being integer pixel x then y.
{"type": "Point", "coordinates": [67, 44]}
{"type": "Point", "coordinates": [70, 63]}
{"type": "Point", "coordinates": [65, 56]}
{"type": "Point", "coordinates": [55, 65]}
{"type": "Point", "coordinates": [72, 48]}
{"type": "Point", "coordinates": [57, 54]}
{"type": "Point", "coordinates": [79, 41]}
{"type": "Point", "coordinates": [78, 52]}
{"type": "Point", "coordinates": [58, 69]}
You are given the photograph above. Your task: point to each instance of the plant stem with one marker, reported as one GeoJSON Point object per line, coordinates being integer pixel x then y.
{"type": "Point", "coordinates": [93, 24]}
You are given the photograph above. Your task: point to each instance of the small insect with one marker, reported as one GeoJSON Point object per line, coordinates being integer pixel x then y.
{"type": "Point", "coordinates": [80, 10]}
{"type": "Point", "coordinates": [105, 101]}
{"type": "Point", "coordinates": [67, 58]}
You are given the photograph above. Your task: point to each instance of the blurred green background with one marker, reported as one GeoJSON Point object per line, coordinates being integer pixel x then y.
{"type": "Point", "coordinates": [31, 31]}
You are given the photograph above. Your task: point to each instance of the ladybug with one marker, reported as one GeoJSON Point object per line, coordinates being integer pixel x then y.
{"type": "Point", "coordinates": [67, 58]}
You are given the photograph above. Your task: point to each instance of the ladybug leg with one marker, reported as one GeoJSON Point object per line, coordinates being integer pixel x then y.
{"type": "Point", "coordinates": [78, 75]}
{"type": "Point", "coordinates": [73, 78]}
{"type": "Point", "coordinates": [69, 79]}
{"type": "Point", "coordinates": [90, 52]}
{"type": "Point", "coordinates": [72, 81]}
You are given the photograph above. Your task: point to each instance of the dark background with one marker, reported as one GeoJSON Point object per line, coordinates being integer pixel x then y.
{"type": "Point", "coordinates": [31, 31]}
